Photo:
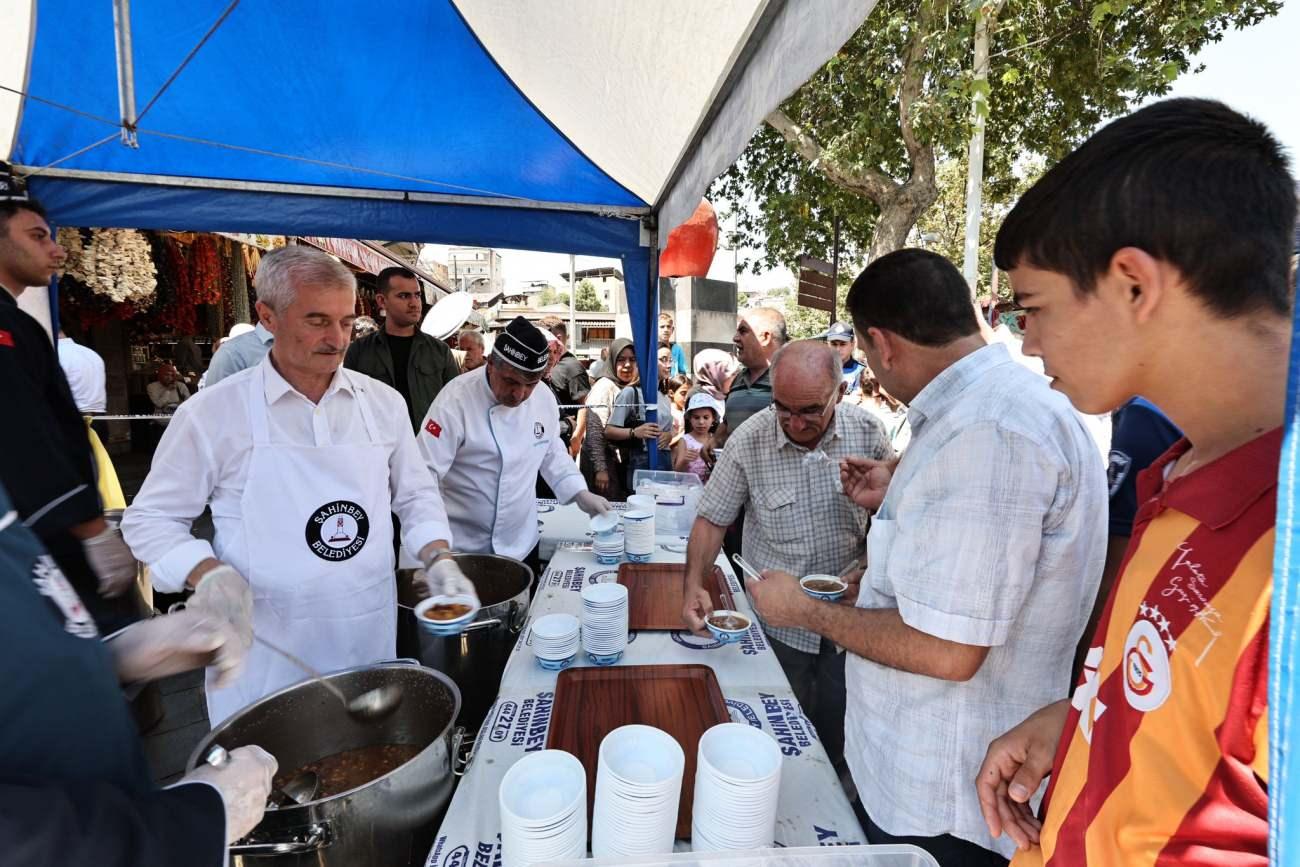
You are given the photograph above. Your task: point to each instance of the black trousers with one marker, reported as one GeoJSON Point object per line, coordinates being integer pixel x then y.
{"type": "Point", "coordinates": [948, 850]}
{"type": "Point", "coordinates": [818, 683]}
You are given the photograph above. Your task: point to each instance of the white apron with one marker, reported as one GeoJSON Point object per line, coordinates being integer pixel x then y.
{"type": "Point", "coordinates": [318, 555]}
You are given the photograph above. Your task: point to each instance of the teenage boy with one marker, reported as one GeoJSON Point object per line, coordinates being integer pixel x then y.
{"type": "Point", "coordinates": [1167, 232]}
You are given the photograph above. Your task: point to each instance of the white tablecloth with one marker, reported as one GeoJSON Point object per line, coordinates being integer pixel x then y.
{"type": "Point", "coordinates": [812, 809]}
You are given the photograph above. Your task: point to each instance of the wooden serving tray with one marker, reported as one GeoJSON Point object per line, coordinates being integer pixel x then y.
{"type": "Point", "coordinates": [683, 700]}
{"type": "Point", "coordinates": [656, 592]}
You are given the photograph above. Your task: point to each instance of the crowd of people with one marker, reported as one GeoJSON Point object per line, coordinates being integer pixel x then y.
{"type": "Point", "coordinates": [1041, 657]}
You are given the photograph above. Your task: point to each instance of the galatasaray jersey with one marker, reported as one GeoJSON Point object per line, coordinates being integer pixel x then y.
{"type": "Point", "coordinates": [1164, 758]}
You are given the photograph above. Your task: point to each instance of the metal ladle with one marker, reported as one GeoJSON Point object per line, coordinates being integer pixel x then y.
{"type": "Point", "coordinates": [370, 705]}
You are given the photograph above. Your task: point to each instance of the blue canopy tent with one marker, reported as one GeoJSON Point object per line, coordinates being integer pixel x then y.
{"type": "Point", "coordinates": [575, 126]}
{"type": "Point", "coordinates": [567, 125]}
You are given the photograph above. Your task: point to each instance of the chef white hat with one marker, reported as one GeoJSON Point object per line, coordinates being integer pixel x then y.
{"type": "Point", "coordinates": [239, 328]}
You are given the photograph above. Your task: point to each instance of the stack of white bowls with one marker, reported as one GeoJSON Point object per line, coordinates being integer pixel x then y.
{"type": "Point", "coordinates": [639, 534]}
{"type": "Point", "coordinates": [638, 791]}
{"type": "Point", "coordinates": [555, 640]}
{"type": "Point", "coordinates": [607, 541]}
{"type": "Point", "coordinates": [737, 779]}
{"type": "Point", "coordinates": [543, 800]}
{"type": "Point", "coordinates": [604, 622]}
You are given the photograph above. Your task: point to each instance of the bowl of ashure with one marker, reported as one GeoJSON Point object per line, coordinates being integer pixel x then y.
{"type": "Point", "coordinates": [826, 587]}
{"type": "Point", "coordinates": [727, 626]}
{"type": "Point", "coordinates": [446, 615]}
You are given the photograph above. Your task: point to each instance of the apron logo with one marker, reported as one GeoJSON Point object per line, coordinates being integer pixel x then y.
{"type": "Point", "coordinates": [433, 427]}
{"type": "Point", "coordinates": [338, 531]}
{"type": "Point", "coordinates": [6, 339]}
{"type": "Point", "coordinates": [538, 430]}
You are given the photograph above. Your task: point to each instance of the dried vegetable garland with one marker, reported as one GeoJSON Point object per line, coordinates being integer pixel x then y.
{"type": "Point", "coordinates": [114, 263]}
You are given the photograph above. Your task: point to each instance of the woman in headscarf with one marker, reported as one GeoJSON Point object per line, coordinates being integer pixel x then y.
{"type": "Point", "coordinates": [714, 371]}
{"type": "Point", "coordinates": [600, 462]}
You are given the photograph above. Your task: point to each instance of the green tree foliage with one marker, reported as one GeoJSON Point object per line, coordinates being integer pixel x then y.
{"type": "Point", "coordinates": [550, 296]}
{"type": "Point", "coordinates": [864, 137]}
{"type": "Point", "coordinates": [586, 299]}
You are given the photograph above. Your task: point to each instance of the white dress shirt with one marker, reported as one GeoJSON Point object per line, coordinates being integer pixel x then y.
{"type": "Point", "coordinates": [84, 370]}
{"type": "Point", "coordinates": [992, 534]}
{"type": "Point", "coordinates": [487, 456]}
{"type": "Point", "coordinates": [204, 455]}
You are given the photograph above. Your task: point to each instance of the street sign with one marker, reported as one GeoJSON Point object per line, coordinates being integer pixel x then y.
{"type": "Point", "coordinates": [816, 284]}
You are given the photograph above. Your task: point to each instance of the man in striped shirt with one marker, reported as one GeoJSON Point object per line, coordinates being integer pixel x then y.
{"type": "Point", "coordinates": [1154, 261]}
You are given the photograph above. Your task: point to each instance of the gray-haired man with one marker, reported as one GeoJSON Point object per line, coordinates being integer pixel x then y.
{"type": "Point", "coordinates": [301, 462]}
{"type": "Point", "coordinates": [782, 467]}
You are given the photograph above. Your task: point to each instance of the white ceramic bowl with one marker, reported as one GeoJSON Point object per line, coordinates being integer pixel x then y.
{"type": "Point", "coordinates": [727, 636]}
{"type": "Point", "coordinates": [446, 627]}
{"type": "Point", "coordinates": [827, 595]}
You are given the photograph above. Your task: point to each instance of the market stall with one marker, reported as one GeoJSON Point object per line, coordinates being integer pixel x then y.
{"type": "Point", "coordinates": [153, 126]}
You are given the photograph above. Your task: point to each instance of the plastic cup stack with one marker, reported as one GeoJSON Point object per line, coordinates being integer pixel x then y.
{"type": "Point", "coordinates": [737, 779]}
{"type": "Point", "coordinates": [543, 800]}
{"type": "Point", "coordinates": [638, 790]}
{"type": "Point", "coordinates": [555, 640]}
{"type": "Point", "coordinates": [607, 542]}
{"type": "Point", "coordinates": [639, 535]}
{"type": "Point", "coordinates": [604, 622]}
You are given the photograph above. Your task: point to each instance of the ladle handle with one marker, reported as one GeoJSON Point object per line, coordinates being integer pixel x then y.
{"type": "Point", "coordinates": [748, 569]}
{"type": "Point", "coordinates": [304, 666]}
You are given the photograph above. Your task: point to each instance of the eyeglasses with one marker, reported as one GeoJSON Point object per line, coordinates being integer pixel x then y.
{"type": "Point", "coordinates": [811, 416]}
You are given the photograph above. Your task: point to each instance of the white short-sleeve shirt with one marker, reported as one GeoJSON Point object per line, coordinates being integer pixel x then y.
{"type": "Point", "coordinates": [993, 533]}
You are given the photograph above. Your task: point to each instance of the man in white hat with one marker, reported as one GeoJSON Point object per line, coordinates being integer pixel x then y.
{"type": "Point", "coordinates": [488, 434]}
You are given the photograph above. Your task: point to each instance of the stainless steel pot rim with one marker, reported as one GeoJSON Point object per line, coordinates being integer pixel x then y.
{"type": "Point", "coordinates": [393, 665]}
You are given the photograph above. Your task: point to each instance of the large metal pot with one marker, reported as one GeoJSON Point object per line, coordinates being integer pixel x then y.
{"type": "Point", "coordinates": [476, 658]}
{"type": "Point", "coordinates": [390, 821]}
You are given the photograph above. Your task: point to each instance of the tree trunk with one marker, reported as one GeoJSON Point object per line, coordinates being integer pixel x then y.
{"type": "Point", "coordinates": [898, 214]}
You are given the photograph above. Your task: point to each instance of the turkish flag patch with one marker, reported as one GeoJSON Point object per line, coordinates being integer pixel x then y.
{"type": "Point", "coordinates": [6, 339]}
{"type": "Point", "coordinates": [433, 427]}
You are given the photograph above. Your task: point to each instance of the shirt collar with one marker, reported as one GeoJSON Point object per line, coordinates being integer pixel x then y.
{"type": "Point", "coordinates": [262, 333]}
{"type": "Point", "coordinates": [832, 432]}
{"type": "Point", "coordinates": [744, 381]}
{"type": "Point", "coordinates": [944, 390]}
{"type": "Point", "coordinates": [276, 386]}
{"type": "Point", "coordinates": [1202, 493]}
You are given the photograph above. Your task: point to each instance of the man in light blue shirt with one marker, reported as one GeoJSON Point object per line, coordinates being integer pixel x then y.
{"type": "Point", "coordinates": [236, 353]}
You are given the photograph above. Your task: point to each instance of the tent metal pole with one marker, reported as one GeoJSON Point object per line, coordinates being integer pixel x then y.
{"type": "Point", "coordinates": [652, 310]}
{"type": "Point", "coordinates": [573, 305]}
{"type": "Point", "coordinates": [620, 211]}
{"type": "Point", "coordinates": [125, 71]}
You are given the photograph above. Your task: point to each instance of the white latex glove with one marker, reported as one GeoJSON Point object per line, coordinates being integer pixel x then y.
{"type": "Point", "coordinates": [111, 561]}
{"type": "Point", "coordinates": [224, 593]}
{"type": "Point", "coordinates": [592, 504]}
{"type": "Point", "coordinates": [245, 784]}
{"type": "Point", "coordinates": [172, 643]}
{"type": "Point", "coordinates": [443, 578]}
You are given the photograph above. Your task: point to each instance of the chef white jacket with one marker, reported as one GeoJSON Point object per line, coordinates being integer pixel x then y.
{"type": "Point", "coordinates": [487, 456]}
{"type": "Point", "coordinates": [204, 458]}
